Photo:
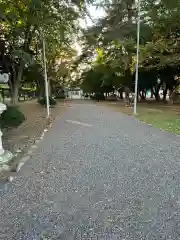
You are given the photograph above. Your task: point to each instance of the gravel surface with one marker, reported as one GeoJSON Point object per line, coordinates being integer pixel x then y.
{"type": "Point", "coordinates": [111, 178]}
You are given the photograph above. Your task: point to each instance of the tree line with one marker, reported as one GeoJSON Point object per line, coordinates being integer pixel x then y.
{"type": "Point", "coordinates": [109, 48]}
{"type": "Point", "coordinates": [23, 26]}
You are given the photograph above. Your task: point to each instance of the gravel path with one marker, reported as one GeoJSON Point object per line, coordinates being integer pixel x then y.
{"type": "Point", "coordinates": [101, 176]}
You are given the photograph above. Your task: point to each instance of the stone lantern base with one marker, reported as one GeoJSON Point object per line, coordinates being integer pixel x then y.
{"type": "Point", "coordinates": [5, 156]}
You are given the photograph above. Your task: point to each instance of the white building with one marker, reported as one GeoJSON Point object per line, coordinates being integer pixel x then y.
{"type": "Point", "coordinates": [75, 93]}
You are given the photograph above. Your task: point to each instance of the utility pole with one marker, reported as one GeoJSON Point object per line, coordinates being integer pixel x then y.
{"type": "Point", "coordinates": [45, 78]}
{"type": "Point", "coordinates": [137, 60]}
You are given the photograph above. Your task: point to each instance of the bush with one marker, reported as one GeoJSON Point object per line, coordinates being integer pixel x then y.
{"type": "Point", "coordinates": [12, 117]}
{"type": "Point", "coordinates": [52, 101]}
{"type": "Point", "coordinates": [99, 96]}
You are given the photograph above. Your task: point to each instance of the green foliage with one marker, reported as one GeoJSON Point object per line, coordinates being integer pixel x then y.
{"type": "Point", "coordinates": [23, 26]}
{"type": "Point", "coordinates": [12, 117]}
{"type": "Point", "coordinates": [43, 101]}
{"type": "Point", "coordinates": [113, 40]}
{"type": "Point", "coordinates": [98, 96]}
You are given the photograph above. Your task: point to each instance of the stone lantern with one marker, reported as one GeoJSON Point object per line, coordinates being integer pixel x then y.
{"type": "Point", "coordinates": [5, 156]}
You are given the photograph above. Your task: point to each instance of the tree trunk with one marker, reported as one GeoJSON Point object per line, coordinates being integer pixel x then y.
{"type": "Point", "coordinates": [49, 88]}
{"type": "Point", "coordinates": [14, 94]}
{"type": "Point", "coordinates": [3, 95]}
{"type": "Point", "coordinates": [165, 94]}
{"type": "Point", "coordinates": [121, 90]}
{"type": "Point", "coordinates": [143, 95]}
{"type": "Point", "coordinates": [13, 86]}
{"type": "Point", "coordinates": [121, 95]}
{"type": "Point", "coordinates": [171, 96]}
{"type": "Point", "coordinates": [152, 93]}
{"type": "Point", "coordinates": [156, 93]}
{"type": "Point", "coordinates": [40, 88]}
{"type": "Point", "coordinates": [41, 93]}
{"type": "Point", "coordinates": [14, 82]}
{"type": "Point", "coordinates": [157, 97]}
{"type": "Point", "coordinates": [126, 91]}
{"type": "Point", "coordinates": [16, 78]}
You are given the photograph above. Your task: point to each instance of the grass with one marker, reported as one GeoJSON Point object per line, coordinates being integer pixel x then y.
{"type": "Point", "coordinates": [166, 120]}
{"type": "Point", "coordinates": [159, 115]}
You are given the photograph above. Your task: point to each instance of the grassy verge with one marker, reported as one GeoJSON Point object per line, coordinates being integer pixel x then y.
{"type": "Point", "coordinates": [166, 120]}
{"type": "Point", "coordinates": [160, 116]}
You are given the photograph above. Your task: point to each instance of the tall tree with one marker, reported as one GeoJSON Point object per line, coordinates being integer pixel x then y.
{"type": "Point", "coordinates": [24, 23]}
{"type": "Point", "coordinates": [159, 40]}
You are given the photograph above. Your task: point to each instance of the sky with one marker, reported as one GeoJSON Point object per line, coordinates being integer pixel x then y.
{"type": "Point", "coordinates": [95, 14]}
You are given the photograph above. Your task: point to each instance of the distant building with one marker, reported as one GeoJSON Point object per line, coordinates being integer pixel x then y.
{"type": "Point", "coordinates": [75, 93]}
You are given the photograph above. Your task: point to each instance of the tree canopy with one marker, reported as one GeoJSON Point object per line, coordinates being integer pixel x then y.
{"type": "Point", "coordinates": [108, 47]}
{"type": "Point", "coordinates": [23, 25]}
{"type": "Point", "coordinates": [113, 41]}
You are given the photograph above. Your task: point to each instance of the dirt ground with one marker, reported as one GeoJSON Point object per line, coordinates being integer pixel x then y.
{"type": "Point", "coordinates": [18, 138]}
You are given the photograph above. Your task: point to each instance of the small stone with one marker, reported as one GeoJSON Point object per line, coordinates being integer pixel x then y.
{"type": "Point", "coordinates": [45, 130]}
{"type": "Point", "coordinates": [11, 178]}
